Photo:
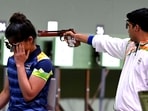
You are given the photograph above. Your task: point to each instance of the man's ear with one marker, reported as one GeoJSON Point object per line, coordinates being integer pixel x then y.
{"type": "Point", "coordinates": [137, 28]}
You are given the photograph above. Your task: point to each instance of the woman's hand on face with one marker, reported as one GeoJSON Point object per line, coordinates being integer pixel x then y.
{"type": "Point", "coordinates": [20, 54]}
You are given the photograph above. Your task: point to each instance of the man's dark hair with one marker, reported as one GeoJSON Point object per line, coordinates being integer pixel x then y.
{"type": "Point", "coordinates": [140, 17]}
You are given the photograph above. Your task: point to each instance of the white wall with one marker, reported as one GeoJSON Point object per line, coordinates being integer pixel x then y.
{"type": "Point", "coordinates": [78, 105]}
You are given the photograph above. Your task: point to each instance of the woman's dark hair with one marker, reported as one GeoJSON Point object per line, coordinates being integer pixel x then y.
{"type": "Point", "coordinates": [140, 17]}
{"type": "Point", "coordinates": [20, 28]}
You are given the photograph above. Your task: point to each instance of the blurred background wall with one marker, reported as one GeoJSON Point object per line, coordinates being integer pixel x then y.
{"type": "Point", "coordinates": [83, 16]}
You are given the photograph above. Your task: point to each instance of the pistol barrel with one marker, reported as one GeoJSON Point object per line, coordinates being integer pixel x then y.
{"type": "Point", "coordinates": [47, 33]}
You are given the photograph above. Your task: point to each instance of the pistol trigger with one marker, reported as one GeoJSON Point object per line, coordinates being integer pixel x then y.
{"type": "Point", "coordinates": [61, 38]}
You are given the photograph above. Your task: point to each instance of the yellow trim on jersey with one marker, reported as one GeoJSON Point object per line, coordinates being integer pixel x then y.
{"type": "Point", "coordinates": [144, 47]}
{"type": "Point", "coordinates": [41, 56]}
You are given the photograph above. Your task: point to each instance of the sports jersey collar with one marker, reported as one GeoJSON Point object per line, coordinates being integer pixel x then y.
{"type": "Point", "coordinates": [144, 45]}
{"type": "Point", "coordinates": [34, 53]}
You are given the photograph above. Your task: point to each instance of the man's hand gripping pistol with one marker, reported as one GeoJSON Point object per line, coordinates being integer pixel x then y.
{"type": "Point", "coordinates": [72, 42]}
